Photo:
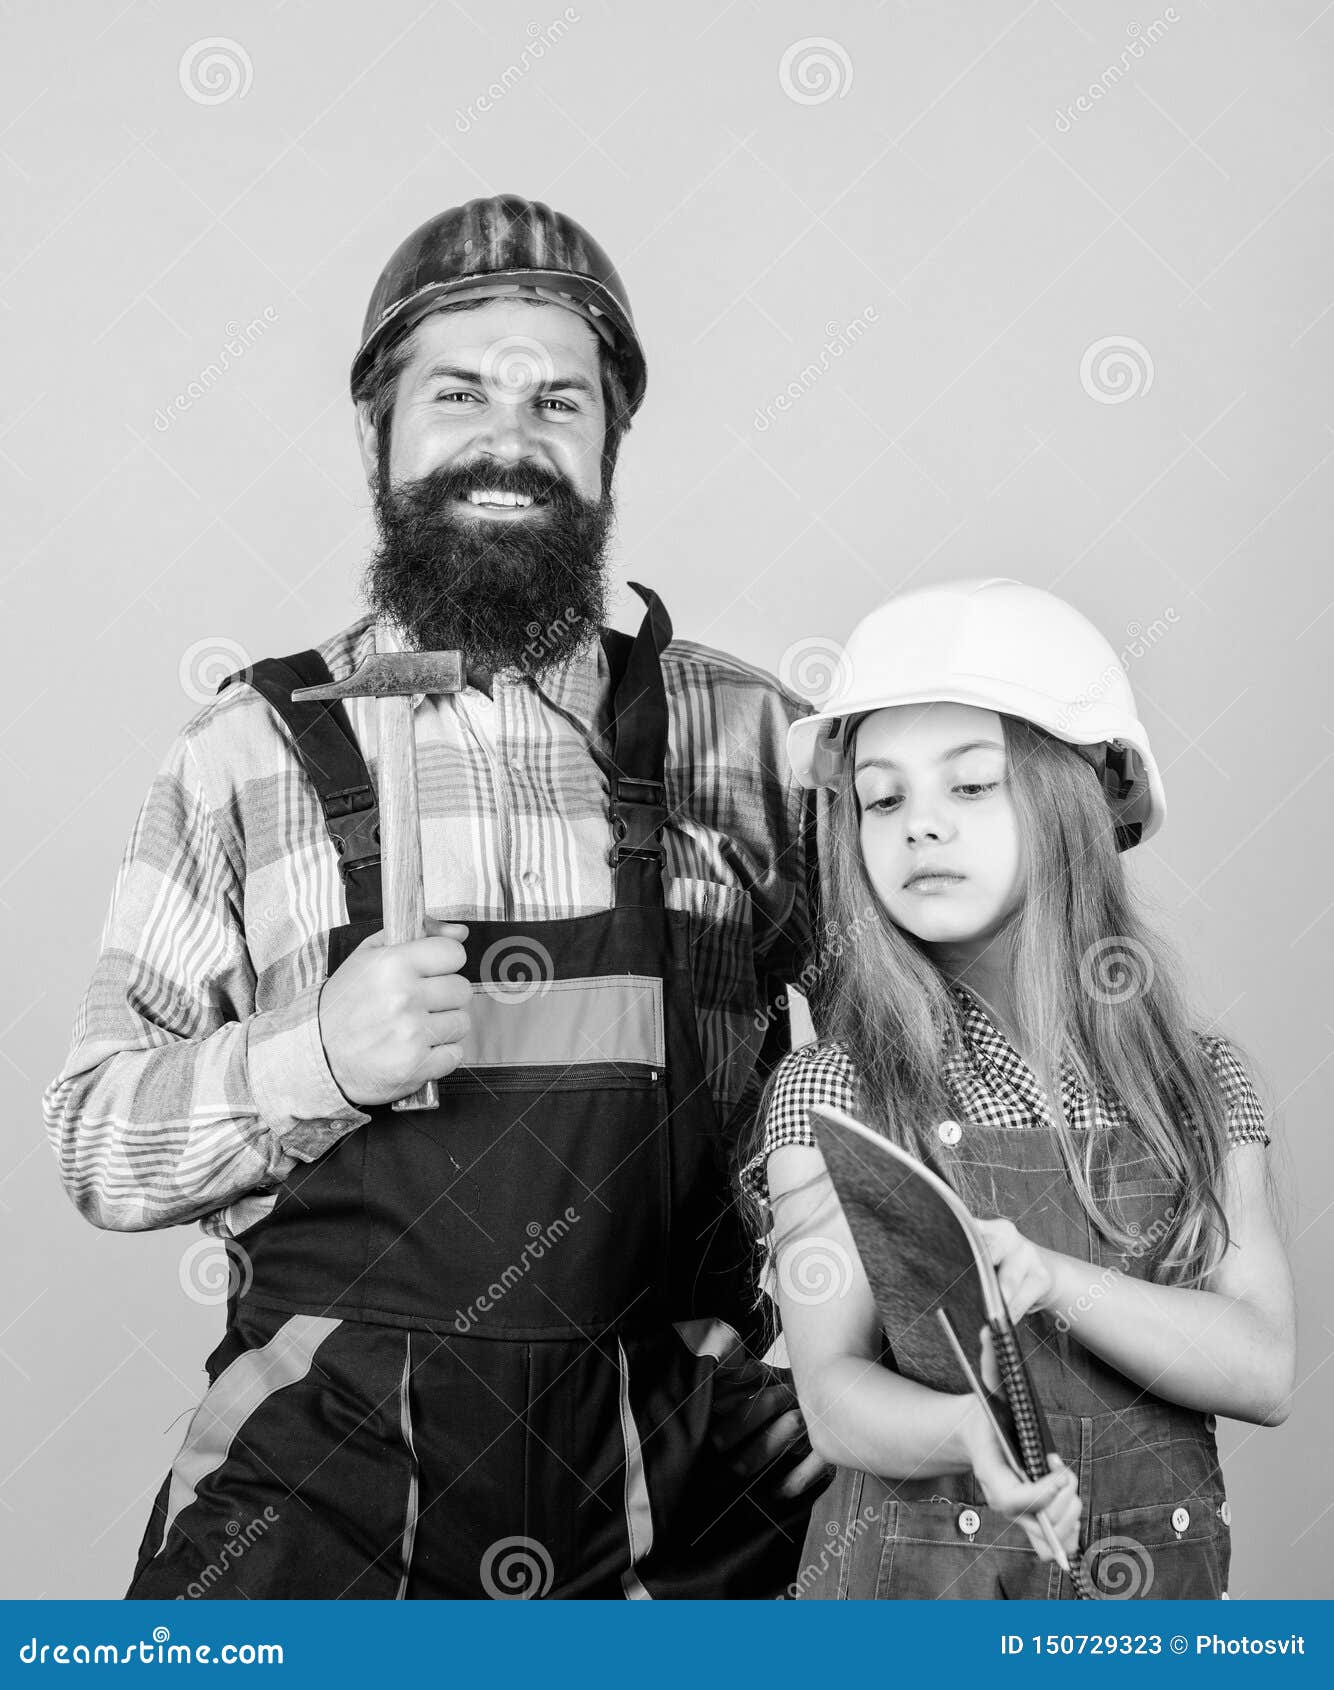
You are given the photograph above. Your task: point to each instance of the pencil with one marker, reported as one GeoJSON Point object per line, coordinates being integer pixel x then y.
{"type": "Point", "coordinates": [975, 1385]}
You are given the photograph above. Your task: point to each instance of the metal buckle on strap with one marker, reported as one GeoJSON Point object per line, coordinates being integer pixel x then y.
{"type": "Point", "coordinates": [357, 838]}
{"type": "Point", "coordinates": [638, 813]}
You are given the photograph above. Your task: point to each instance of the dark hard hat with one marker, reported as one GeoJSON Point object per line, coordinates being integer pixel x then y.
{"type": "Point", "coordinates": [497, 246]}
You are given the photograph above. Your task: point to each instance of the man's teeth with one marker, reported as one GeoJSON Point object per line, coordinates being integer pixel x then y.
{"type": "Point", "coordinates": [519, 499]}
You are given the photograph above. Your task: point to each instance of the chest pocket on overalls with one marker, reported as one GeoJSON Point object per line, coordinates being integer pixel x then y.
{"type": "Point", "coordinates": [538, 1191]}
{"type": "Point", "coordinates": [1143, 1199]}
{"type": "Point", "coordinates": [604, 1034]}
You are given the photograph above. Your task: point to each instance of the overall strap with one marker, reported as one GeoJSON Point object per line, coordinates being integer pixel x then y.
{"type": "Point", "coordinates": [323, 740]}
{"type": "Point", "coordinates": [327, 748]}
{"type": "Point", "coordinates": [639, 755]}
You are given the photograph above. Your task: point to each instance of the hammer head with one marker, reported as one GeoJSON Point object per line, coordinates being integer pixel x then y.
{"type": "Point", "coordinates": [395, 674]}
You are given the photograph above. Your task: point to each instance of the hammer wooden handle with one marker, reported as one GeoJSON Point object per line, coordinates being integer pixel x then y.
{"type": "Point", "coordinates": [401, 847]}
{"type": "Point", "coordinates": [391, 678]}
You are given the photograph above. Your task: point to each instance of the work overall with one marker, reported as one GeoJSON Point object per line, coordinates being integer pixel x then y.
{"type": "Point", "coordinates": [480, 1350]}
{"type": "Point", "coordinates": [1155, 1521]}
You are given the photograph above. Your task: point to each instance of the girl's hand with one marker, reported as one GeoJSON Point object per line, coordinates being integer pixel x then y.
{"type": "Point", "coordinates": [1020, 1499]}
{"type": "Point", "coordinates": [1023, 1268]}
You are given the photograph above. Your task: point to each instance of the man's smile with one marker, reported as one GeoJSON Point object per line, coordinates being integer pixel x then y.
{"type": "Point", "coordinates": [494, 503]}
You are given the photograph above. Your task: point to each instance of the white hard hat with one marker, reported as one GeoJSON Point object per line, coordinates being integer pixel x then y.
{"type": "Point", "coordinates": [999, 645]}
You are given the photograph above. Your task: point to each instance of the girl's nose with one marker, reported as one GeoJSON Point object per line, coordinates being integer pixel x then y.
{"type": "Point", "coordinates": [922, 821]}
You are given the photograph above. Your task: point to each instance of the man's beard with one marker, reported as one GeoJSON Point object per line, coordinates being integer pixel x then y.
{"type": "Point", "coordinates": [521, 592]}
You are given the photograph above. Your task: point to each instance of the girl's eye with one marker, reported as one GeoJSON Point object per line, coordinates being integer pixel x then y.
{"type": "Point", "coordinates": [968, 790]}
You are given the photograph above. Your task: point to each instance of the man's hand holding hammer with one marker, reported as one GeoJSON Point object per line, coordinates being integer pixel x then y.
{"type": "Point", "coordinates": [394, 1016]}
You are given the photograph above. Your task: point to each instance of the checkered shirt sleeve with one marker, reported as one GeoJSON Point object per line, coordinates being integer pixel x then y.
{"type": "Point", "coordinates": [824, 1073]}
{"type": "Point", "coordinates": [817, 1073]}
{"type": "Point", "coordinates": [1245, 1112]}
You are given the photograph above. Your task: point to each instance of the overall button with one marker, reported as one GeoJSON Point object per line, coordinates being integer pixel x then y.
{"type": "Point", "coordinates": [516, 765]}
{"type": "Point", "coordinates": [970, 1522]}
{"type": "Point", "coordinates": [1180, 1519]}
{"type": "Point", "coordinates": [949, 1132]}
{"type": "Point", "coordinates": [1225, 1512]}
{"type": "Point", "coordinates": [530, 877]}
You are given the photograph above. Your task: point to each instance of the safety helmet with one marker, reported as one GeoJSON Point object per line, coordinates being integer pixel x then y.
{"type": "Point", "coordinates": [999, 645]}
{"type": "Point", "coordinates": [505, 245]}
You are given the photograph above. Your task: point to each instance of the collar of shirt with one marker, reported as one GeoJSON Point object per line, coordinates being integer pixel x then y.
{"type": "Point", "coordinates": [989, 1049]}
{"type": "Point", "coordinates": [578, 687]}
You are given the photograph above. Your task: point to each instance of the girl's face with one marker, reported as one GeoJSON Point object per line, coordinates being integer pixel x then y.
{"type": "Point", "coordinates": [939, 834]}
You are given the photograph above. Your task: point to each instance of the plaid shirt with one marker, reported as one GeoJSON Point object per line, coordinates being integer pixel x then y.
{"type": "Point", "coordinates": [197, 1079]}
{"type": "Point", "coordinates": [990, 1083]}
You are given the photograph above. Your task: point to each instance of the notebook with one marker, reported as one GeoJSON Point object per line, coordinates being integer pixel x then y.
{"type": "Point", "coordinates": [931, 1275]}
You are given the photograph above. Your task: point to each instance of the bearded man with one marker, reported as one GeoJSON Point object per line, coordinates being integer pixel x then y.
{"type": "Point", "coordinates": [506, 1345]}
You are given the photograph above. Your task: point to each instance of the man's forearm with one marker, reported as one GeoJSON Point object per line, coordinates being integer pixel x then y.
{"type": "Point", "coordinates": [155, 1137]}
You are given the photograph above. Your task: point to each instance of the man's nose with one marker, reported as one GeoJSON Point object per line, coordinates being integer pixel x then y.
{"type": "Point", "coordinates": [508, 432]}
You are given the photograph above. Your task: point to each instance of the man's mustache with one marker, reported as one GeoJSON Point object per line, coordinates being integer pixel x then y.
{"type": "Point", "coordinates": [433, 492]}
{"type": "Point", "coordinates": [453, 579]}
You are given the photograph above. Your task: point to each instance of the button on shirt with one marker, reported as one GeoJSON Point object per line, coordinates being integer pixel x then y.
{"type": "Point", "coordinates": [197, 1080]}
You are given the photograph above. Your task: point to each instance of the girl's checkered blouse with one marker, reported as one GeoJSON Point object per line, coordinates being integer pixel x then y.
{"type": "Point", "coordinates": [990, 1082]}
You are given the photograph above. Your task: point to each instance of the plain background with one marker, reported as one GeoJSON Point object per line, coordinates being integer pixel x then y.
{"type": "Point", "coordinates": [911, 173]}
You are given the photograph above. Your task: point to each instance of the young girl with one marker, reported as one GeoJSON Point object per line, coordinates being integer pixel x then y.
{"type": "Point", "coordinates": [991, 1001]}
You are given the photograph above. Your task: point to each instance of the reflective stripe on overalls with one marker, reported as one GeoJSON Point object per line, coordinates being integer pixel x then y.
{"type": "Point", "coordinates": [476, 1349]}
{"type": "Point", "coordinates": [1155, 1520]}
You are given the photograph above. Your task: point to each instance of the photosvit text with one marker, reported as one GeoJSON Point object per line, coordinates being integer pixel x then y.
{"type": "Point", "coordinates": [1150, 1643]}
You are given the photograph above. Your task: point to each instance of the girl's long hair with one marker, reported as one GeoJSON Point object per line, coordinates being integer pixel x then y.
{"type": "Point", "coordinates": [1092, 987]}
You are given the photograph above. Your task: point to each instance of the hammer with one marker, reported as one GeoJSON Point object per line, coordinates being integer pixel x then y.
{"type": "Point", "coordinates": [391, 678]}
